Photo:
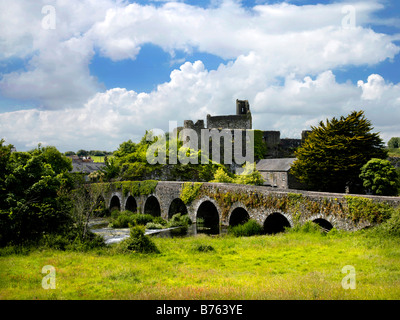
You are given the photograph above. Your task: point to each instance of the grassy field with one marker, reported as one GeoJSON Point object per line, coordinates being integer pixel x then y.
{"type": "Point", "coordinates": [98, 158]}
{"type": "Point", "coordinates": [284, 266]}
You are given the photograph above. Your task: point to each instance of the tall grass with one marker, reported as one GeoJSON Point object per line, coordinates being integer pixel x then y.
{"type": "Point", "coordinates": [290, 265]}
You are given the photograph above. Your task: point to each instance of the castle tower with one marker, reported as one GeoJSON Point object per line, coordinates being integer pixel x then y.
{"type": "Point", "coordinates": [242, 107]}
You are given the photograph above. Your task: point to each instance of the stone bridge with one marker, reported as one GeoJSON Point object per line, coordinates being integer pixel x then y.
{"type": "Point", "coordinates": [221, 204]}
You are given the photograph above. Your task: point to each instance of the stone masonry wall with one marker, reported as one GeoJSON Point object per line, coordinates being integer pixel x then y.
{"type": "Point", "coordinates": [259, 202]}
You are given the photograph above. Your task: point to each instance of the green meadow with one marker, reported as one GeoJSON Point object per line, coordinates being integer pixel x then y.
{"type": "Point", "coordinates": [97, 158]}
{"type": "Point", "coordinates": [290, 265]}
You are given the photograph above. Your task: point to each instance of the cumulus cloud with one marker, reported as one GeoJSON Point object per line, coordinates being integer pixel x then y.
{"type": "Point", "coordinates": [118, 114]}
{"type": "Point", "coordinates": [373, 88]}
{"type": "Point", "coordinates": [229, 31]}
{"type": "Point", "coordinates": [266, 43]}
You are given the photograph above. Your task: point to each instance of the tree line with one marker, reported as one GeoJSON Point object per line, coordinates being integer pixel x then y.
{"type": "Point", "coordinates": [85, 153]}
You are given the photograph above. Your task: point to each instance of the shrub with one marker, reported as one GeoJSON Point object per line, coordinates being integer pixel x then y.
{"type": "Point", "coordinates": [160, 220]}
{"type": "Point", "coordinates": [142, 219]}
{"type": "Point", "coordinates": [222, 176]}
{"type": "Point", "coordinates": [115, 213]}
{"type": "Point", "coordinates": [335, 233]}
{"type": "Point", "coordinates": [72, 241]}
{"type": "Point", "coordinates": [138, 242]}
{"type": "Point", "coordinates": [153, 225]}
{"type": "Point", "coordinates": [203, 248]}
{"type": "Point", "coordinates": [392, 225]}
{"type": "Point", "coordinates": [179, 220]}
{"type": "Point", "coordinates": [247, 229]}
{"type": "Point", "coordinates": [122, 221]}
{"type": "Point", "coordinates": [307, 227]}
{"type": "Point", "coordinates": [249, 176]}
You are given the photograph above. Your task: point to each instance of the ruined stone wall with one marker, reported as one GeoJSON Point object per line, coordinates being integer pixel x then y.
{"type": "Point", "coordinates": [277, 147]}
{"type": "Point", "coordinates": [272, 138]}
{"type": "Point", "coordinates": [229, 122]}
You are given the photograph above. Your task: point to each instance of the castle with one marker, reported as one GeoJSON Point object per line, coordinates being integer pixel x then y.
{"type": "Point", "coordinates": [276, 147]}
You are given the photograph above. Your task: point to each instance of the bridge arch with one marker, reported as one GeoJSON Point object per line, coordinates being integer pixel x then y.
{"type": "Point", "coordinates": [325, 224]}
{"type": "Point", "coordinates": [115, 203]}
{"type": "Point", "coordinates": [238, 215]}
{"type": "Point", "coordinates": [209, 213]}
{"type": "Point", "coordinates": [323, 221]}
{"type": "Point", "coordinates": [276, 222]}
{"type": "Point", "coordinates": [152, 206]}
{"type": "Point", "coordinates": [131, 204]}
{"type": "Point", "coordinates": [177, 206]}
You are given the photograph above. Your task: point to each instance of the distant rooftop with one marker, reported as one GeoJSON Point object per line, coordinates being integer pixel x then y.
{"type": "Point", "coordinates": [282, 164]}
{"type": "Point", "coordinates": [86, 167]}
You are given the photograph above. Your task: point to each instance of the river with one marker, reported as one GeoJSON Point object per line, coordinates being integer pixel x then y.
{"type": "Point", "coordinates": [113, 235]}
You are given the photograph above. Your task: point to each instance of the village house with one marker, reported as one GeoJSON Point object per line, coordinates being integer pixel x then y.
{"type": "Point", "coordinates": [276, 173]}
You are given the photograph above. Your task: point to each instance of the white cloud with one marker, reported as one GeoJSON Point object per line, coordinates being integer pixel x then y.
{"type": "Point", "coordinates": [58, 77]}
{"type": "Point", "coordinates": [373, 88]}
{"type": "Point", "coordinates": [117, 115]}
{"type": "Point", "coordinates": [230, 31]}
{"type": "Point", "coordinates": [300, 44]}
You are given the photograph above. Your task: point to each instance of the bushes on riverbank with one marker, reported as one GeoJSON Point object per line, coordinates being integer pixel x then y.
{"type": "Point", "coordinates": [137, 242]}
{"type": "Point", "coordinates": [127, 218]}
{"type": "Point", "coordinates": [249, 228]}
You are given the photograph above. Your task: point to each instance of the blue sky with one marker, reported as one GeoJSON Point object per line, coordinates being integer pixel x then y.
{"type": "Point", "coordinates": [155, 65]}
{"type": "Point", "coordinates": [109, 69]}
{"type": "Point", "coordinates": [151, 67]}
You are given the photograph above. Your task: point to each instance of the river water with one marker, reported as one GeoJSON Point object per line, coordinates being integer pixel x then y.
{"type": "Point", "coordinates": [113, 235]}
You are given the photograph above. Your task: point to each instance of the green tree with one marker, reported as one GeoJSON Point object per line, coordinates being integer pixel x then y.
{"type": "Point", "coordinates": [380, 177]}
{"type": "Point", "coordinates": [222, 176]}
{"type": "Point", "coordinates": [59, 162]}
{"type": "Point", "coordinates": [5, 169]}
{"type": "Point", "coordinates": [132, 161]}
{"type": "Point", "coordinates": [394, 143]}
{"type": "Point", "coordinates": [82, 153]}
{"type": "Point", "coordinates": [33, 188]}
{"type": "Point", "coordinates": [332, 155]}
{"type": "Point", "coordinates": [249, 176]}
{"type": "Point", "coordinates": [110, 170]}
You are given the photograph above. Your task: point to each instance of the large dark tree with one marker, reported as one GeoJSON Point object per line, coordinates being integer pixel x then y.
{"type": "Point", "coordinates": [334, 152]}
{"type": "Point", "coordinates": [31, 193]}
